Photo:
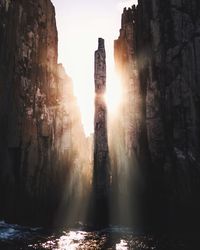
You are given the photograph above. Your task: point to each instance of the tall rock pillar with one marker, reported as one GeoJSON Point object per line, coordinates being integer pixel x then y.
{"type": "Point", "coordinates": [101, 155]}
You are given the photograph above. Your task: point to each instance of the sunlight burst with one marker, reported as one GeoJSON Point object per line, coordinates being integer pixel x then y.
{"type": "Point", "coordinates": [114, 92]}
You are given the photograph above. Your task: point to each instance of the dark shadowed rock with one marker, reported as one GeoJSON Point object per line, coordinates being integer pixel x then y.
{"type": "Point", "coordinates": [36, 132]}
{"type": "Point", "coordinates": [162, 38]}
{"type": "Point", "coordinates": [101, 177]}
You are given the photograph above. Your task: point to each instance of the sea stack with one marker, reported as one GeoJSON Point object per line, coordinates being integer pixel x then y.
{"type": "Point", "coordinates": [101, 177]}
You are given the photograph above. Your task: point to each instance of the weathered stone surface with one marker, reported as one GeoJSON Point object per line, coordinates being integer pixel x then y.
{"type": "Point", "coordinates": [166, 139]}
{"type": "Point", "coordinates": [101, 177]}
{"type": "Point", "coordinates": [125, 62]}
{"type": "Point", "coordinates": [124, 126]}
{"type": "Point", "coordinates": [37, 110]}
{"type": "Point", "coordinates": [28, 58]}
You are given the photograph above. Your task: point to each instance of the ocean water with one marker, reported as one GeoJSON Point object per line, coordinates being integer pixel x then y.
{"type": "Point", "coordinates": [15, 237]}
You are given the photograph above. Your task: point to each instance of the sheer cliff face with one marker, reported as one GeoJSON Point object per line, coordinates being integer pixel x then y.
{"type": "Point", "coordinates": [169, 55]}
{"type": "Point", "coordinates": [35, 137]}
{"type": "Point", "coordinates": [125, 63]}
{"type": "Point", "coordinates": [166, 57]}
{"type": "Point", "coordinates": [28, 57]}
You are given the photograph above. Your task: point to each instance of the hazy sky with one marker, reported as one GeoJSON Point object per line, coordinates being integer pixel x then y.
{"type": "Point", "coordinates": [80, 23]}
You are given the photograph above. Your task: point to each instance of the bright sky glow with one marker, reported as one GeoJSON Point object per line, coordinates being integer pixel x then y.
{"type": "Point", "coordinates": [80, 23]}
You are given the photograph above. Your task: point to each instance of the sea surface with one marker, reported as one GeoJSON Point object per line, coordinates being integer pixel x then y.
{"type": "Point", "coordinates": [15, 237]}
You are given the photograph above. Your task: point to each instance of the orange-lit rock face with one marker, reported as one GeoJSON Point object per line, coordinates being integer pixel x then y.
{"type": "Point", "coordinates": [123, 127]}
{"type": "Point", "coordinates": [126, 66]}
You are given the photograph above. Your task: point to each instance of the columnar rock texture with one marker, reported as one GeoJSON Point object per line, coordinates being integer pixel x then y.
{"type": "Point", "coordinates": [125, 62]}
{"type": "Point", "coordinates": [165, 42]}
{"type": "Point", "coordinates": [36, 149]}
{"type": "Point", "coordinates": [123, 124]}
{"type": "Point", "coordinates": [101, 156]}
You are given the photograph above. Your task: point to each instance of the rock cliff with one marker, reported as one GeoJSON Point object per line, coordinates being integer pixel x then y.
{"type": "Point", "coordinates": [101, 178]}
{"type": "Point", "coordinates": [37, 121]}
{"type": "Point", "coordinates": [158, 57]}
